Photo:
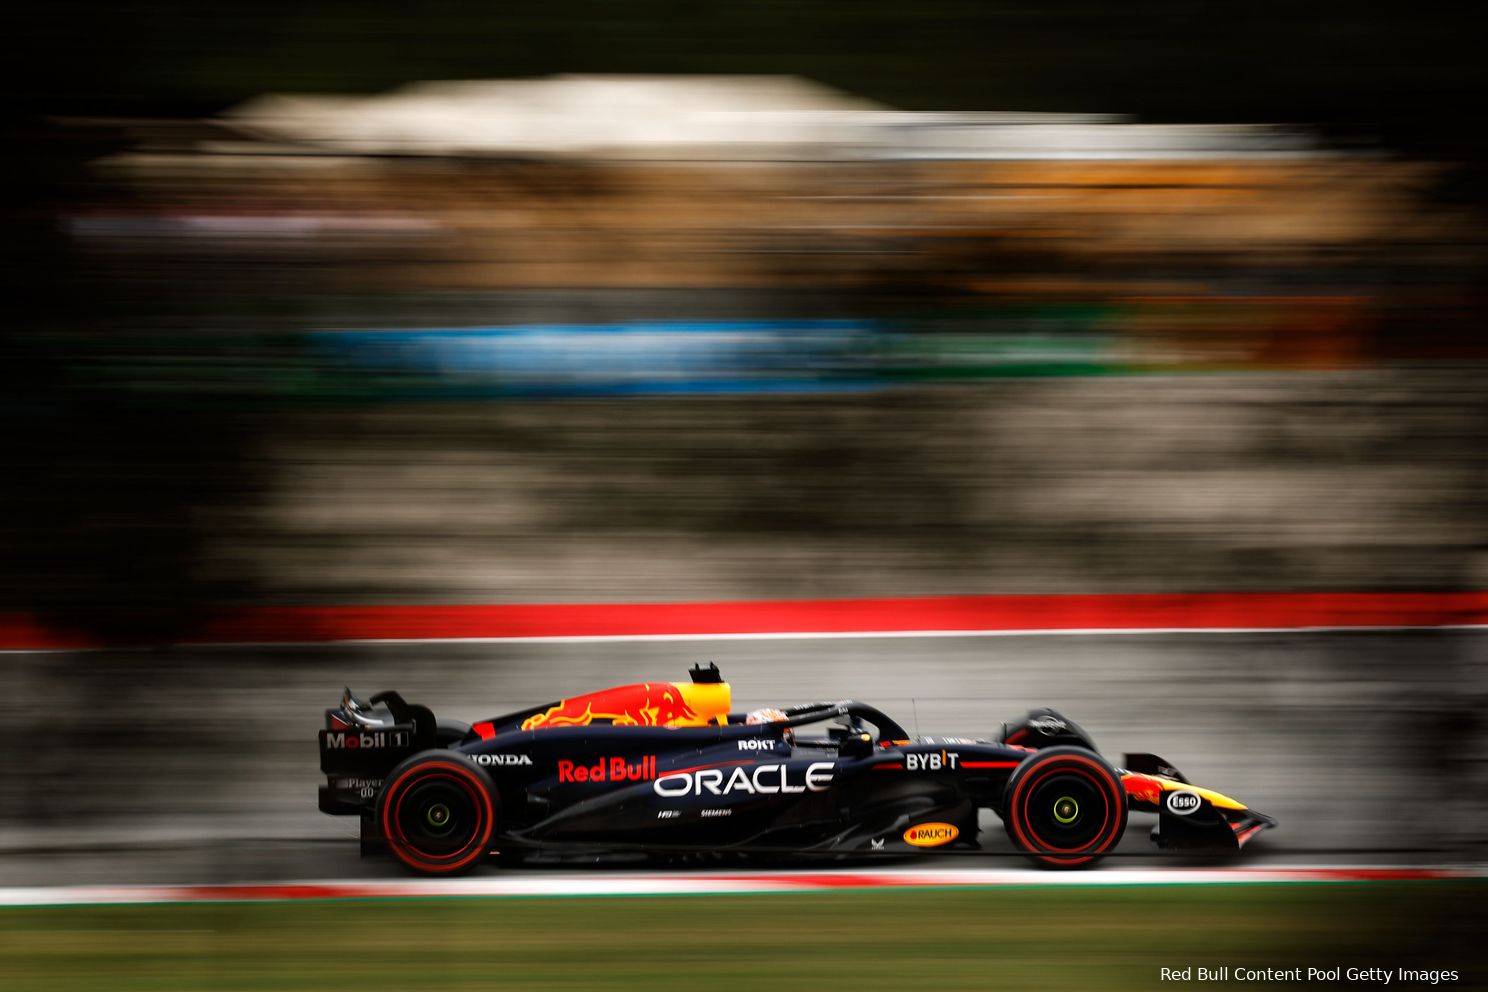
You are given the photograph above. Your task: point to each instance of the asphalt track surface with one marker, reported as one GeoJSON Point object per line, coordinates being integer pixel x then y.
{"type": "Point", "coordinates": [197, 765]}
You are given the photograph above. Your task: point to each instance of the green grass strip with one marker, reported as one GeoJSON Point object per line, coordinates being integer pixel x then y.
{"type": "Point", "coordinates": [979, 939]}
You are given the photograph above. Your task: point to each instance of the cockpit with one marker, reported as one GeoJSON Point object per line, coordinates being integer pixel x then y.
{"type": "Point", "coordinates": [847, 727]}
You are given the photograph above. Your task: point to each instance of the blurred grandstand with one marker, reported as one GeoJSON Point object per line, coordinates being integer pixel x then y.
{"type": "Point", "coordinates": [255, 293]}
{"type": "Point", "coordinates": [1107, 242]}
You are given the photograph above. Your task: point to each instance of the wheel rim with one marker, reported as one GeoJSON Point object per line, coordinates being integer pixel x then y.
{"type": "Point", "coordinates": [1067, 811]}
{"type": "Point", "coordinates": [438, 817]}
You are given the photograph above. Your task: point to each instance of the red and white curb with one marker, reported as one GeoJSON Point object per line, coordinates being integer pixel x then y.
{"type": "Point", "coordinates": [708, 883]}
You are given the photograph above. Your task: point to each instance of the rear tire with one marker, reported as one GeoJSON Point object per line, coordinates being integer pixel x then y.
{"type": "Point", "coordinates": [1065, 807]}
{"type": "Point", "coordinates": [437, 813]}
{"type": "Point", "coordinates": [448, 733]}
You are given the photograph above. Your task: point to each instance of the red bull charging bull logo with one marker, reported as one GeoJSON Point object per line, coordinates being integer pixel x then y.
{"type": "Point", "coordinates": [646, 704]}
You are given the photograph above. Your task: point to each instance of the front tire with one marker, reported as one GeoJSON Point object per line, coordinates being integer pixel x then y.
{"type": "Point", "coordinates": [1065, 807]}
{"type": "Point", "coordinates": [437, 813]}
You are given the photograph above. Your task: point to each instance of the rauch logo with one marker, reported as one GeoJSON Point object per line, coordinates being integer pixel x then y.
{"type": "Point", "coordinates": [931, 834]}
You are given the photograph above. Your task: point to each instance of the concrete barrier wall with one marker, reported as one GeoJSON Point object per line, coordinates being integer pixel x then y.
{"type": "Point", "coordinates": [1222, 482]}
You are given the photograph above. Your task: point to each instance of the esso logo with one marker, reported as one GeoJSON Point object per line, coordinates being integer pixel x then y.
{"type": "Point", "coordinates": [1182, 803]}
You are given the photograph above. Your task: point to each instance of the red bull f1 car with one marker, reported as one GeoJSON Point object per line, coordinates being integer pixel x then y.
{"type": "Point", "coordinates": [661, 768]}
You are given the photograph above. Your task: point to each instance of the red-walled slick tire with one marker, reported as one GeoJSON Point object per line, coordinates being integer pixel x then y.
{"type": "Point", "coordinates": [1065, 807]}
{"type": "Point", "coordinates": [437, 813]}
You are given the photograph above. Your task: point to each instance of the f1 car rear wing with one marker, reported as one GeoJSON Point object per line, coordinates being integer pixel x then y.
{"type": "Point", "coordinates": [368, 738]}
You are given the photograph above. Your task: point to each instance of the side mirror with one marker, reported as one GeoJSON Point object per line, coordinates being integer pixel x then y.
{"type": "Point", "coordinates": [857, 745]}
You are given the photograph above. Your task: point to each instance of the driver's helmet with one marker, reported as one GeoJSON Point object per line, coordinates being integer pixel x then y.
{"type": "Point", "coordinates": [770, 715]}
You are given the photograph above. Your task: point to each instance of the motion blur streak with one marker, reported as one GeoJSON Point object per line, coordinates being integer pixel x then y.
{"type": "Point", "coordinates": [698, 337]}
{"type": "Point", "coordinates": [599, 883]}
{"type": "Point", "coordinates": [959, 615]}
{"type": "Point", "coordinates": [415, 338]}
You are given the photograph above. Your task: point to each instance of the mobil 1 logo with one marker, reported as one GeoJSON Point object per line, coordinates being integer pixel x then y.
{"type": "Point", "coordinates": [336, 740]}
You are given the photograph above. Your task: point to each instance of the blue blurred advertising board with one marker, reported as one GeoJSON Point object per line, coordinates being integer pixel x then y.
{"type": "Point", "coordinates": [644, 357]}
